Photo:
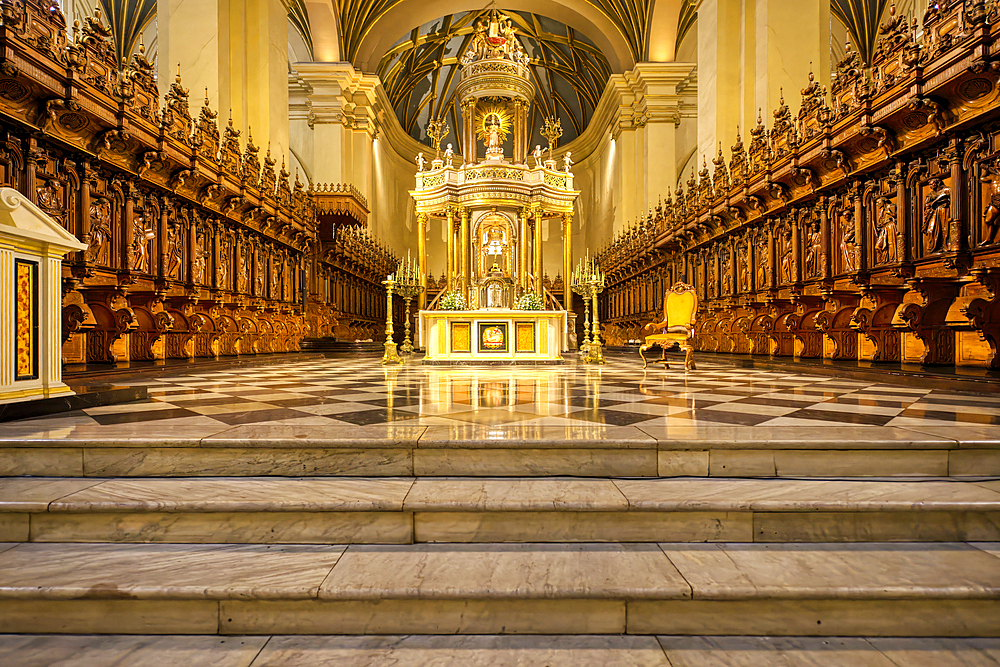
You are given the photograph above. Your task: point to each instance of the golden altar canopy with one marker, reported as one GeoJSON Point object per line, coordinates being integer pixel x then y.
{"type": "Point", "coordinates": [494, 201]}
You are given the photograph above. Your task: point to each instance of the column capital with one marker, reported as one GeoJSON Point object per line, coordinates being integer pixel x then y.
{"type": "Point", "coordinates": [340, 94]}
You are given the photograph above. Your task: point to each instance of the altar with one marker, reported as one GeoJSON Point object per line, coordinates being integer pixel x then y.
{"type": "Point", "coordinates": [497, 211]}
{"type": "Point", "coordinates": [498, 335]}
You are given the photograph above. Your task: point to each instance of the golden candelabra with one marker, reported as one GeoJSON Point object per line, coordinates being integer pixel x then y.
{"type": "Point", "coordinates": [391, 356]}
{"type": "Point", "coordinates": [408, 286]}
{"type": "Point", "coordinates": [588, 282]}
{"type": "Point", "coordinates": [437, 130]}
{"type": "Point", "coordinates": [552, 130]}
{"type": "Point", "coordinates": [580, 286]}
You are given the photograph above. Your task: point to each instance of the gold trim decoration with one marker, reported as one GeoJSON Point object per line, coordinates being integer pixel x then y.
{"type": "Point", "coordinates": [493, 114]}
{"type": "Point", "coordinates": [524, 340]}
{"type": "Point", "coordinates": [461, 337]}
{"type": "Point", "coordinates": [26, 319]}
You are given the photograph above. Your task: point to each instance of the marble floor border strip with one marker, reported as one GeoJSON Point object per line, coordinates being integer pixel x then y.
{"type": "Point", "coordinates": [497, 650]}
{"type": "Point", "coordinates": [818, 618]}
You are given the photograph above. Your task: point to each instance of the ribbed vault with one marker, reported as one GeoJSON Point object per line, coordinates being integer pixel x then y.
{"type": "Point", "coordinates": [420, 73]}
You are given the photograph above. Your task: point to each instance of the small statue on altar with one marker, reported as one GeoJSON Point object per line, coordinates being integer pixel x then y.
{"type": "Point", "coordinates": [567, 161]}
{"type": "Point", "coordinates": [537, 154]}
{"type": "Point", "coordinates": [494, 150]}
{"type": "Point", "coordinates": [449, 155]}
{"type": "Point", "coordinates": [421, 162]}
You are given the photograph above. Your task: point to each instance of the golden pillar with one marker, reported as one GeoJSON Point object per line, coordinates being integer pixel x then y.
{"type": "Point", "coordinates": [422, 256]}
{"type": "Point", "coordinates": [449, 226]}
{"type": "Point", "coordinates": [464, 257]}
{"type": "Point", "coordinates": [469, 130]}
{"type": "Point", "coordinates": [567, 260]}
{"type": "Point", "coordinates": [539, 290]}
{"type": "Point", "coordinates": [522, 268]}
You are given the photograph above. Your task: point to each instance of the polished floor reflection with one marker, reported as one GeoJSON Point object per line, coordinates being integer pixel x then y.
{"type": "Point", "coordinates": [360, 392]}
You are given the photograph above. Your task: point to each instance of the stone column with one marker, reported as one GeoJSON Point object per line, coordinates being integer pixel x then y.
{"type": "Point", "coordinates": [342, 104]}
{"type": "Point", "coordinates": [230, 48]}
{"type": "Point", "coordinates": [788, 38]}
{"type": "Point", "coordinates": [567, 260]}
{"type": "Point", "coordinates": [193, 34]}
{"type": "Point", "coordinates": [653, 99]}
{"type": "Point", "coordinates": [719, 69]}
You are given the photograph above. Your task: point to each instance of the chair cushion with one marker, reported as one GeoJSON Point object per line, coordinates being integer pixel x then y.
{"type": "Point", "coordinates": [678, 328]}
{"type": "Point", "coordinates": [667, 337]}
{"type": "Point", "coordinates": [680, 307]}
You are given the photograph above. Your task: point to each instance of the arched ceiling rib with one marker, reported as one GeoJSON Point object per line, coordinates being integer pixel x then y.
{"type": "Point", "coordinates": [420, 73]}
{"type": "Point", "coordinates": [619, 28]}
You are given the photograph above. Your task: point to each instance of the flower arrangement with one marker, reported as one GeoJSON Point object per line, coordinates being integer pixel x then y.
{"type": "Point", "coordinates": [530, 301]}
{"type": "Point", "coordinates": [452, 301]}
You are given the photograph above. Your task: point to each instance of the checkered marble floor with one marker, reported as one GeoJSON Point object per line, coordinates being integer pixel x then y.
{"type": "Point", "coordinates": [360, 391]}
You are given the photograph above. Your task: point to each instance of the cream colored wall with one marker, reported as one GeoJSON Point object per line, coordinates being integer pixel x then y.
{"type": "Point", "coordinates": [189, 36]}
{"type": "Point", "coordinates": [599, 200]}
{"type": "Point", "coordinates": [237, 49]}
{"type": "Point", "coordinates": [791, 37]}
{"type": "Point", "coordinates": [392, 218]}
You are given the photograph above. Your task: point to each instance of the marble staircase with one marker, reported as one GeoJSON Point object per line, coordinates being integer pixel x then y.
{"type": "Point", "coordinates": [392, 450]}
{"type": "Point", "coordinates": [403, 530]}
{"type": "Point", "coordinates": [388, 510]}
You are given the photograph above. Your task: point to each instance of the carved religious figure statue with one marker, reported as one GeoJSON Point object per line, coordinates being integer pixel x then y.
{"type": "Point", "coordinates": [763, 264]}
{"type": "Point", "coordinates": [743, 265]}
{"type": "Point", "coordinates": [478, 48]}
{"type": "Point", "coordinates": [727, 274]}
{"type": "Point", "coordinates": [494, 149]}
{"type": "Point", "coordinates": [138, 253]}
{"type": "Point", "coordinates": [991, 216]}
{"type": "Point", "coordinates": [99, 249]}
{"type": "Point", "coordinates": [567, 161]}
{"type": "Point", "coordinates": [449, 156]}
{"type": "Point", "coordinates": [173, 254]}
{"type": "Point", "coordinates": [937, 209]}
{"type": "Point", "coordinates": [886, 232]}
{"type": "Point", "coordinates": [787, 265]}
{"type": "Point", "coordinates": [847, 239]}
{"type": "Point", "coordinates": [493, 37]}
{"type": "Point", "coordinates": [537, 154]}
{"type": "Point", "coordinates": [813, 251]}
{"type": "Point", "coordinates": [421, 162]}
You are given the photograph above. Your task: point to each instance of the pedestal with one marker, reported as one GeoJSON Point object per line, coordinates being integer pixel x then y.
{"type": "Point", "coordinates": [493, 336]}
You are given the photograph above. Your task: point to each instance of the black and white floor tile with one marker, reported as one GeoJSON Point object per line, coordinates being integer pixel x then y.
{"type": "Point", "coordinates": [361, 392]}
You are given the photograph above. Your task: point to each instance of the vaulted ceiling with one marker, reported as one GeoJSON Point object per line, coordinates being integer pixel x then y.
{"type": "Point", "coordinates": [420, 73]}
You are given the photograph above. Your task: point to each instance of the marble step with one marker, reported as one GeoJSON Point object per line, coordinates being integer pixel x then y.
{"type": "Point", "coordinates": [379, 510]}
{"type": "Point", "coordinates": [44, 448]}
{"type": "Point", "coordinates": [494, 651]}
{"type": "Point", "coordinates": [859, 590]}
